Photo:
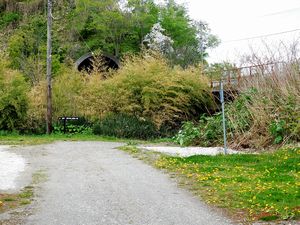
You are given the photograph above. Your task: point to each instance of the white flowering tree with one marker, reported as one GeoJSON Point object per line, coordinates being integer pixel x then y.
{"type": "Point", "coordinates": [157, 41]}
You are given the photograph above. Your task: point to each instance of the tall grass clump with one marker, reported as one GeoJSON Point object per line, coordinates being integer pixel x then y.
{"type": "Point", "coordinates": [146, 95]}
{"type": "Point", "coordinates": [274, 103]}
{"type": "Point", "coordinates": [66, 94]}
{"type": "Point", "coordinates": [149, 89]}
{"type": "Point", "coordinates": [266, 112]}
{"type": "Point", "coordinates": [125, 126]}
{"type": "Point", "coordinates": [13, 98]}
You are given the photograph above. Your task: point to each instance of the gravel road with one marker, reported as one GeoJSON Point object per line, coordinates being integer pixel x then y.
{"type": "Point", "coordinates": [92, 183]}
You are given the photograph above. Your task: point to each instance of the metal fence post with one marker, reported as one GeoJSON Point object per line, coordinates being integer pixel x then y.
{"type": "Point", "coordinates": [223, 115]}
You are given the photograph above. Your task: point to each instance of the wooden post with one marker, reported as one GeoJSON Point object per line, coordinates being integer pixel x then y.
{"type": "Point", "coordinates": [49, 67]}
{"type": "Point", "coordinates": [239, 75]}
{"type": "Point", "coordinates": [65, 125]}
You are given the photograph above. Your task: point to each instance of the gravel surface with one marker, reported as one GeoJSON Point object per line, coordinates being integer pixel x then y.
{"type": "Point", "coordinates": [91, 183]}
{"type": "Point", "coordinates": [189, 151]}
{"type": "Point", "coordinates": [11, 165]}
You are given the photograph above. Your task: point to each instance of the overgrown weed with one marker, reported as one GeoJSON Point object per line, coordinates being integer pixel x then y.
{"type": "Point", "coordinates": [266, 112]}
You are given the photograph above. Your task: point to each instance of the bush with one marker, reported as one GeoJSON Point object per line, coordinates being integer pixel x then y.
{"type": "Point", "coordinates": [80, 126]}
{"type": "Point", "coordinates": [125, 126]}
{"type": "Point", "coordinates": [209, 130]}
{"type": "Point", "coordinates": [188, 134]}
{"type": "Point", "coordinates": [71, 129]}
{"type": "Point", "coordinates": [267, 112]}
{"type": "Point", "coordinates": [27, 50]}
{"type": "Point", "coordinates": [8, 18]}
{"type": "Point", "coordinates": [146, 87]}
{"type": "Point", "coordinates": [67, 89]}
{"type": "Point", "coordinates": [13, 99]}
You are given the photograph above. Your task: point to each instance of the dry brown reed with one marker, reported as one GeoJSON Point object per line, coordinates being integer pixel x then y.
{"type": "Point", "coordinates": [275, 100]}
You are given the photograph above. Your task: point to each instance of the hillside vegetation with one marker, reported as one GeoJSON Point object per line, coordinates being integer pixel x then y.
{"type": "Point", "coordinates": [162, 88]}
{"type": "Point", "coordinates": [266, 111]}
{"type": "Point", "coordinates": [155, 92]}
{"type": "Point", "coordinates": [145, 88]}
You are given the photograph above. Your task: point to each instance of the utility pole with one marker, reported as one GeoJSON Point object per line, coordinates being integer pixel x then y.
{"type": "Point", "coordinates": [49, 67]}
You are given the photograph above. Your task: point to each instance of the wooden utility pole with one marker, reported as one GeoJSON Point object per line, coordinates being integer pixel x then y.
{"type": "Point", "coordinates": [49, 67]}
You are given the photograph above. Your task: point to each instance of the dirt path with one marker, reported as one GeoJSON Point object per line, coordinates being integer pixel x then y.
{"type": "Point", "coordinates": [92, 183]}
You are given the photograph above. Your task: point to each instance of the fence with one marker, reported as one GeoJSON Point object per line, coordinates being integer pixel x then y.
{"type": "Point", "coordinates": [234, 78]}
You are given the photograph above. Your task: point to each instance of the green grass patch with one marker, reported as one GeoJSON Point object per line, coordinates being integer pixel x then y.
{"type": "Point", "coordinates": [12, 201]}
{"type": "Point", "coordinates": [263, 186]}
{"type": "Point", "coordinates": [27, 193]}
{"type": "Point", "coordinates": [16, 139]}
{"type": "Point", "coordinates": [25, 202]}
{"type": "Point", "coordinates": [9, 199]}
{"type": "Point", "coordinates": [269, 218]}
{"type": "Point", "coordinates": [252, 186]}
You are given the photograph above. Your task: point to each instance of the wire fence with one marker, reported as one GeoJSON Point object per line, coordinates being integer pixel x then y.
{"type": "Point", "coordinates": [236, 77]}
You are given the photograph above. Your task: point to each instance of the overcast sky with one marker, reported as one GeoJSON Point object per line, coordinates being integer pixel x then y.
{"type": "Point", "coordinates": [232, 20]}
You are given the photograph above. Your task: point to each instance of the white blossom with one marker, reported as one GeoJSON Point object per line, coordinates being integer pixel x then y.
{"type": "Point", "coordinates": [157, 41]}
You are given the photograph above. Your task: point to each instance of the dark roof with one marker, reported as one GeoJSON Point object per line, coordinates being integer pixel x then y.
{"type": "Point", "coordinates": [90, 55]}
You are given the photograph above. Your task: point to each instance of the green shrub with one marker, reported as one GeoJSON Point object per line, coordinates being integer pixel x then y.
{"type": "Point", "coordinates": [208, 130]}
{"type": "Point", "coordinates": [27, 50]}
{"type": "Point", "coordinates": [8, 18]}
{"type": "Point", "coordinates": [79, 126]}
{"type": "Point", "coordinates": [125, 126]}
{"type": "Point", "coordinates": [34, 126]}
{"type": "Point", "coordinates": [277, 130]}
{"type": "Point", "coordinates": [67, 92]}
{"type": "Point", "coordinates": [257, 118]}
{"type": "Point", "coordinates": [13, 99]}
{"type": "Point", "coordinates": [147, 87]}
{"type": "Point", "coordinates": [188, 134]}
{"type": "Point", "coordinates": [72, 129]}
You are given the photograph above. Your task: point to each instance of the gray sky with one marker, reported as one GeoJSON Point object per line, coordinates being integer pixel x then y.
{"type": "Point", "coordinates": [233, 20]}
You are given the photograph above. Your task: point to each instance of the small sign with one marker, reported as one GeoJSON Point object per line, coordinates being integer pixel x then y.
{"type": "Point", "coordinates": [65, 119]}
{"type": "Point", "coordinates": [68, 118]}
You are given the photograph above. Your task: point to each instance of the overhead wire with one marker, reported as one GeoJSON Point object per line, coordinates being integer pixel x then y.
{"type": "Point", "coordinates": [282, 12]}
{"type": "Point", "coordinates": [84, 41]}
{"type": "Point", "coordinates": [261, 36]}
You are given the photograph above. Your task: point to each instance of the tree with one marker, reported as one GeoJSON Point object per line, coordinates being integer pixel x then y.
{"type": "Point", "coordinates": [144, 14]}
{"type": "Point", "coordinates": [13, 98]}
{"type": "Point", "coordinates": [27, 50]}
{"type": "Point", "coordinates": [205, 39]}
{"type": "Point", "coordinates": [217, 71]}
{"type": "Point", "coordinates": [157, 41]}
{"type": "Point", "coordinates": [175, 20]}
{"type": "Point", "coordinates": [119, 27]}
{"type": "Point", "coordinates": [191, 38]}
{"type": "Point", "coordinates": [106, 25]}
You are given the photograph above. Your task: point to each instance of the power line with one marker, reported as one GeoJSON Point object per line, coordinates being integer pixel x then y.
{"type": "Point", "coordinates": [282, 12]}
{"type": "Point", "coordinates": [261, 36]}
{"type": "Point", "coordinates": [84, 41]}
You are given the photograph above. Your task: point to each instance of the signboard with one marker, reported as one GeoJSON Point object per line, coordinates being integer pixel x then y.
{"type": "Point", "coordinates": [65, 119]}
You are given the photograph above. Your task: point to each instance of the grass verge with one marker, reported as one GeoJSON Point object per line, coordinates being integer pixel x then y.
{"type": "Point", "coordinates": [253, 186]}
{"type": "Point", "coordinates": [10, 201]}
{"type": "Point", "coordinates": [15, 139]}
